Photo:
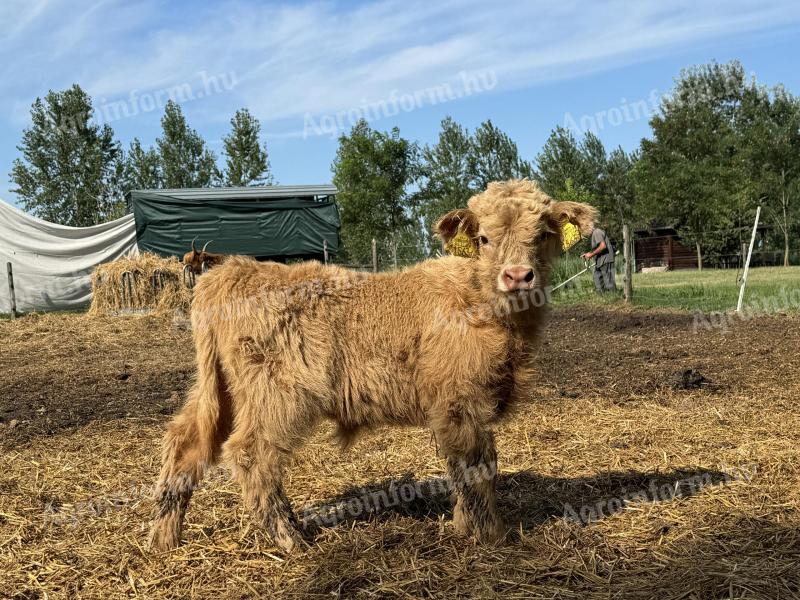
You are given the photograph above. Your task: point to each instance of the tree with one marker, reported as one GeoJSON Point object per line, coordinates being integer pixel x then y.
{"type": "Point", "coordinates": [560, 160]}
{"type": "Point", "coordinates": [371, 171]}
{"type": "Point", "coordinates": [69, 165]}
{"type": "Point", "coordinates": [770, 134]}
{"type": "Point", "coordinates": [494, 157]}
{"type": "Point", "coordinates": [246, 160]}
{"type": "Point", "coordinates": [185, 160]}
{"type": "Point", "coordinates": [688, 172]}
{"type": "Point", "coordinates": [618, 200]}
{"type": "Point", "coordinates": [142, 168]}
{"type": "Point", "coordinates": [444, 174]}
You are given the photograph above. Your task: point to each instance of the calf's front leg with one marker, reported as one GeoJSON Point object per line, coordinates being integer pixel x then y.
{"type": "Point", "coordinates": [472, 467]}
{"type": "Point", "coordinates": [259, 467]}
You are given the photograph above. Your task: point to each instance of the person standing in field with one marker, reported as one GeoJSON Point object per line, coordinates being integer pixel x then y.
{"type": "Point", "coordinates": [603, 253]}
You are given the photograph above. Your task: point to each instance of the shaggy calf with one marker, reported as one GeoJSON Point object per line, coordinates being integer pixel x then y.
{"type": "Point", "coordinates": [445, 344]}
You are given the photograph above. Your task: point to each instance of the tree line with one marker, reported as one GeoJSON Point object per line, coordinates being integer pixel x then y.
{"type": "Point", "coordinates": [720, 145]}
{"type": "Point", "coordinates": [74, 172]}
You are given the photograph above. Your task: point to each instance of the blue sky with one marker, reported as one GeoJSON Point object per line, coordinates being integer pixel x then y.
{"type": "Point", "coordinates": [307, 70]}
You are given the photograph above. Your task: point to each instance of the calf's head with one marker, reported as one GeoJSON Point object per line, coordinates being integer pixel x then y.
{"type": "Point", "coordinates": [516, 233]}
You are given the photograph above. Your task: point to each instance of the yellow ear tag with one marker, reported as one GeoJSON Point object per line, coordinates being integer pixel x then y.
{"type": "Point", "coordinates": [460, 245]}
{"type": "Point", "coordinates": [570, 235]}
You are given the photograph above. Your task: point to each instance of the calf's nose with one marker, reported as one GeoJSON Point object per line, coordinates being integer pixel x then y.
{"type": "Point", "coordinates": [518, 278]}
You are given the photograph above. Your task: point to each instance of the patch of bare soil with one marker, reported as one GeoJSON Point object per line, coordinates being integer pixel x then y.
{"type": "Point", "coordinates": [61, 372]}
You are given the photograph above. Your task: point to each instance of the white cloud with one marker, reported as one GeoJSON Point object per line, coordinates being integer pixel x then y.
{"type": "Point", "coordinates": [323, 57]}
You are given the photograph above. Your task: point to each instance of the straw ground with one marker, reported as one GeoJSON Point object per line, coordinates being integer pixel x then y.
{"type": "Point", "coordinates": [618, 480]}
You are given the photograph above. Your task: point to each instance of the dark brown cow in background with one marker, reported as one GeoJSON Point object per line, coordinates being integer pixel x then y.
{"type": "Point", "coordinates": [195, 259]}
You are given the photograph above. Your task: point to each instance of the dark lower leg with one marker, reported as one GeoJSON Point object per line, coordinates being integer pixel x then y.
{"type": "Point", "coordinates": [172, 499]}
{"type": "Point", "coordinates": [259, 471]}
{"type": "Point", "coordinates": [273, 511]}
{"type": "Point", "coordinates": [184, 462]}
{"type": "Point", "coordinates": [474, 474]}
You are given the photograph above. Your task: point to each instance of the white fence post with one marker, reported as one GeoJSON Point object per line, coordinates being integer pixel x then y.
{"type": "Point", "coordinates": [747, 263]}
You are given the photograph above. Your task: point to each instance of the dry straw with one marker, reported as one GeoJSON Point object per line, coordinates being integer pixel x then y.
{"type": "Point", "coordinates": [146, 282]}
{"type": "Point", "coordinates": [604, 420]}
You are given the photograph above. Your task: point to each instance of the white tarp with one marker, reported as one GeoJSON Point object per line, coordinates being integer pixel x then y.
{"type": "Point", "coordinates": [52, 263]}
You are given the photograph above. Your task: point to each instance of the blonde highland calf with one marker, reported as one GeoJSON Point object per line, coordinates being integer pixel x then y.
{"type": "Point", "coordinates": [279, 348]}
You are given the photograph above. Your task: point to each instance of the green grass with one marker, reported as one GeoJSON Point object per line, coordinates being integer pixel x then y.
{"type": "Point", "coordinates": [769, 289]}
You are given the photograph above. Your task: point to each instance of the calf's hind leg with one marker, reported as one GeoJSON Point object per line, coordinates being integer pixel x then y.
{"type": "Point", "coordinates": [273, 422]}
{"type": "Point", "coordinates": [189, 448]}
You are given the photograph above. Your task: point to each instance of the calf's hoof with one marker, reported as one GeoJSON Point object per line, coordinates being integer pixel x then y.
{"type": "Point", "coordinates": [493, 532]}
{"type": "Point", "coordinates": [164, 536]}
{"type": "Point", "coordinates": [461, 521]}
{"type": "Point", "coordinates": [287, 538]}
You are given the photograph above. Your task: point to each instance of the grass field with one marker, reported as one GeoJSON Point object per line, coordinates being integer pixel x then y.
{"type": "Point", "coordinates": [769, 289]}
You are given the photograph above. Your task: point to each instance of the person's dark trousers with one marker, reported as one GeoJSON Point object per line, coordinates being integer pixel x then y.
{"type": "Point", "coordinates": [604, 278]}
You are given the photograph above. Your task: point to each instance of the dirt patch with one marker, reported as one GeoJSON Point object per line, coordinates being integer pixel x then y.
{"type": "Point", "coordinates": [61, 372]}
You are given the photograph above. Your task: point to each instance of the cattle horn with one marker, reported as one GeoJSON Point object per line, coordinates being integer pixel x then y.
{"type": "Point", "coordinates": [206, 246]}
{"type": "Point", "coordinates": [193, 241]}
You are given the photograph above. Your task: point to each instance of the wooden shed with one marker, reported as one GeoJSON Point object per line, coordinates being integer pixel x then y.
{"type": "Point", "coordinates": [662, 247]}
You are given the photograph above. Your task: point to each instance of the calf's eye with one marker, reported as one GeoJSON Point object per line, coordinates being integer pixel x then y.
{"type": "Point", "coordinates": [483, 240]}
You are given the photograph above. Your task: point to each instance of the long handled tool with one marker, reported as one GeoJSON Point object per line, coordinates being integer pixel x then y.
{"type": "Point", "coordinates": [589, 266]}
{"type": "Point", "coordinates": [566, 281]}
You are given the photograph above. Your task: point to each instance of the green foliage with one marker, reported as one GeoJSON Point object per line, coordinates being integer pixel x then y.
{"type": "Point", "coordinates": [582, 172]}
{"type": "Point", "coordinates": [460, 165]}
{"type": "Point", "coordinates": [494, 157]}
{"type": "Point", "coordinates": [142, 168]}
{"type": "Point", "coordinates": [689, 172]}
{"type": "Point", "coordinates": [246, 160]}
{"type": "Point", "coordinates": [618, 199]}
{"type": "Point", "coordinates": [444, 176]}
{"type": "Point", "coordinates": [562, 159]}
{"type": "Point", "coordinates": [769, 130]}
{"type": "Point", "coordinates": [574, 194]}
{"type": "Point", "coordinates": [70, 168]}
{"type": "Point", "coordinates": [185, 160]}
{"type": "Point", "coordinates": [371, 171]}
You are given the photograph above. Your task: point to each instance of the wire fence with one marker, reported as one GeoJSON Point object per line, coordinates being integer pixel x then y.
{"type": "Point", "coordinates": [667, 251]}
{"type": "Point", "coordinates": [48, 290]}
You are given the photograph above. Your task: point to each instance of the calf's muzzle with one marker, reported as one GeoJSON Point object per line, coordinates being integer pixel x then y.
{"type": "Point", "coordinates": [518, 277]}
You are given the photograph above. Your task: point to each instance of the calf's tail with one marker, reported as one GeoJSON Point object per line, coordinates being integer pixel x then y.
{"type": "Point", "coordinates": [192, 442]}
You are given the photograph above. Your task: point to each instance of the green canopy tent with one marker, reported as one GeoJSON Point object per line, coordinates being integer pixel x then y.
{"type": "Point", "coordinates": [270, 222]}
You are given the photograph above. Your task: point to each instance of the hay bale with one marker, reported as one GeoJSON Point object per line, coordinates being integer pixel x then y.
{"type": "Point", "coordinates": [146, 282]}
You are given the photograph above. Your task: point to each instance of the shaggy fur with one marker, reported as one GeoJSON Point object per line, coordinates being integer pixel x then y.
{"type": "Point", "coordinates": [281, 347]}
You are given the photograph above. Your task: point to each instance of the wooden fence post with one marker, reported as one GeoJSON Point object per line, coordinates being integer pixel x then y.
{"type": "Point", "coordinates": [626, 247]}
{"type": "Point", "coordinates": [669, 260]}
{"type": "Point", "coordinates": [325, 251]}
{"type": "Point", "coordinates": [12, 296]}
{"type": "Point", "coordinates": [374, 256]}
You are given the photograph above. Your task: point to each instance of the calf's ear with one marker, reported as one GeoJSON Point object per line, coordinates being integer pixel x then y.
{"type": "Point", "coordinates": [459, 231]}
{"type": "Point", "coordinates": [583, 216]}
{"type": "Point", "coordinates": [462, 219]}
